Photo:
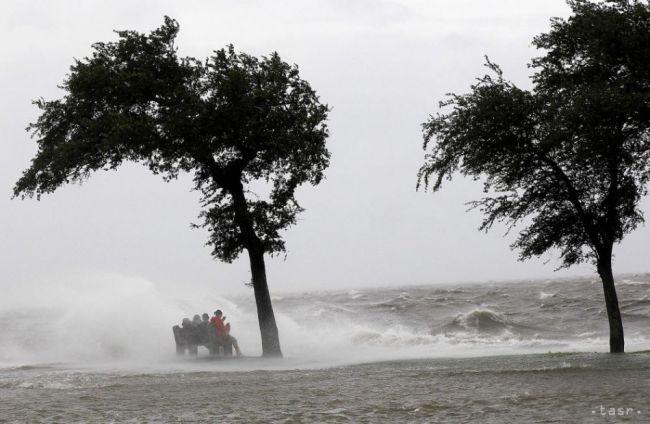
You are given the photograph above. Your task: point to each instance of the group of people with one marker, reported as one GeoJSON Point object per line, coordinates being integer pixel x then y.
{"type": "Point", "coordinates": [218, 321]}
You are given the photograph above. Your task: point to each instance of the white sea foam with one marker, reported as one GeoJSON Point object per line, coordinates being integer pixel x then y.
{"type": "Point", "coordinates": [633, 283]}
{"type": "Point", "coordinates": [355, 294]}
{"type": "Point", "coordinates": [543, 295]}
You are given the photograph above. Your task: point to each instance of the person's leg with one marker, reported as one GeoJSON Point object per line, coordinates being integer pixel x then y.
{"type": "Point", "coordinates": [234, 344]}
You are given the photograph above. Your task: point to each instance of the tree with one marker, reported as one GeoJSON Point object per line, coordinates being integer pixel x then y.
{"type": "Point", "coordinates": [232, 121]}
{"type": "Point", "coordinates": [568, 160]}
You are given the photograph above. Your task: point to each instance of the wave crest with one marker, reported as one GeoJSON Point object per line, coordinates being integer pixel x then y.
{"type": "Point", "coordinates": [481, 320]}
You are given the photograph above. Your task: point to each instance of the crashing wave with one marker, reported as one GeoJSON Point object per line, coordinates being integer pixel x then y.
{"type": "Point", "coordinates": [482, 320]}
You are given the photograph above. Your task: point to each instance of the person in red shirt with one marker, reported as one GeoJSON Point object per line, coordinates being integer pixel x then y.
{"type": "Point", "coordinates": [223, 329]}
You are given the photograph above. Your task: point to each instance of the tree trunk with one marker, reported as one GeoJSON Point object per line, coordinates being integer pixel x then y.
{"type": "Point", "coordinates": [265, 315]}
{"type": "Point", "coordinates": [616, 340]}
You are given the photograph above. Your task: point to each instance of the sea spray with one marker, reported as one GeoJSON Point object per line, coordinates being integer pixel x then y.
{"type": "Point", "coordinates": [126, 322]}
{"type": "Point", "coordinates": [105, 317]}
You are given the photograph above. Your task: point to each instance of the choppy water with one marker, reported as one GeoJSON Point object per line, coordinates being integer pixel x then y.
{"type": "Point", "coordinates": [468, 353]}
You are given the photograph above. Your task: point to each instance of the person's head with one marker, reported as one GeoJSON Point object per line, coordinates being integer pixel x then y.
{"type": "Point", "coordinates": [196, 318]}
{"type": "Point", "coordinates": [186, 322]}
{"type": "Point", "coordinates": [206, 317]}
{"type": "Point", "coordinates": [218, 313]}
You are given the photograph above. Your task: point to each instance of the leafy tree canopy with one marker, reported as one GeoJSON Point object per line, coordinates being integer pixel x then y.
{"type": "Point", "coordinates": [572, 154]}
{"type": "Point", "coordinates": [231, 119]}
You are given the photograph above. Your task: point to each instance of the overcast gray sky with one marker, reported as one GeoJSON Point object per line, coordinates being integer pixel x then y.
{"type": "Point", "coordinates": [381, 65]}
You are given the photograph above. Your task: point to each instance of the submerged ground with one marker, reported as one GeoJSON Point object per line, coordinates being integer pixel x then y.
{"type": "Point", "coordinates": [542, 388]}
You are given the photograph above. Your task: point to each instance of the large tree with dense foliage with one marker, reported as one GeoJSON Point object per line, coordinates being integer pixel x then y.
{"type": "Point", "coordinates": [231, 121]}
{"type": "Point", "coordinates": [568, 159]}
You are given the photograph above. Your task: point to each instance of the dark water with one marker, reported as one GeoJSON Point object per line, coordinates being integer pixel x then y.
{"type": "Point", "coordinates": [520, 352]}
{"type": "Point", "coordinates": [541, 388]}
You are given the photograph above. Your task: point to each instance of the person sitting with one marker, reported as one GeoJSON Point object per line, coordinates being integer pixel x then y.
{"type": "Point", "coordinates": [186, 323]}
{"type": "Point", "coordinates": [188, 334]}
{"type": "Point", "coordinates": [223, 329]}
{"type": "Point", "coordinates": [197, 331]}
{"type": "Point", "coordinates": [204, 324]}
